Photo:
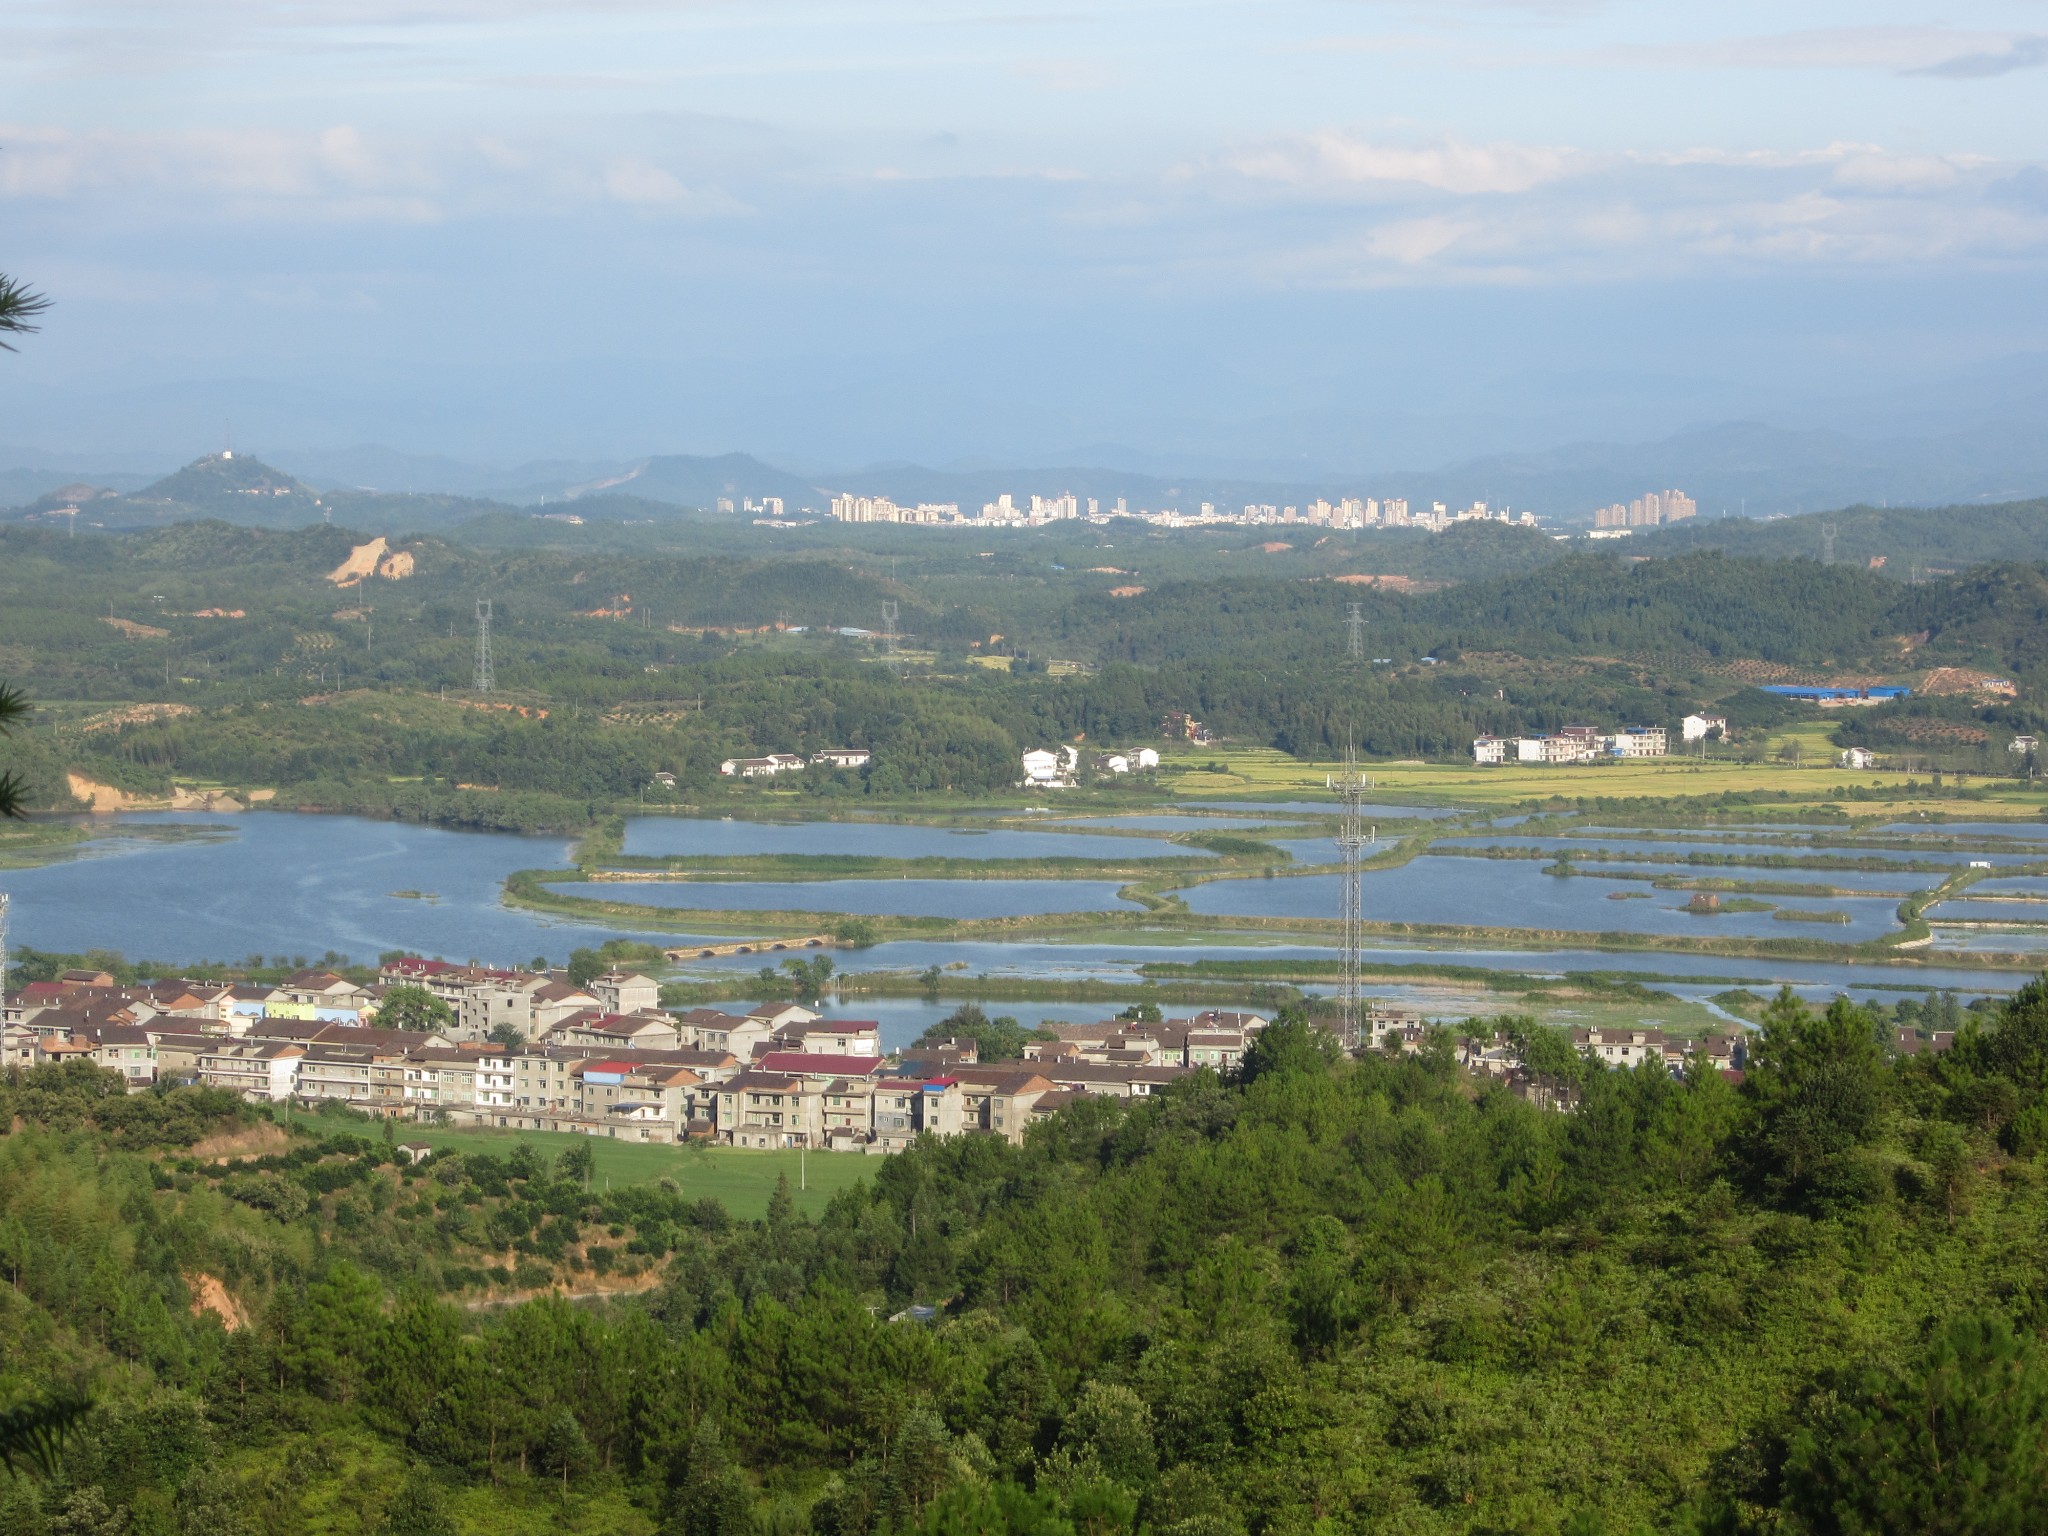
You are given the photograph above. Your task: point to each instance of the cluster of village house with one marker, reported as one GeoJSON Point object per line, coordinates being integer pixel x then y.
{"type": "Point", "coordinates": [1573, 744]}
{"type": "Point", "coordinates": [786, 762]}
{"type": "Point", "coordinates": [602, 1059]}
{"type": "Point", "coordinates": [1060, 768]}
{"type": "Point", "coordinates": [605, 1059]}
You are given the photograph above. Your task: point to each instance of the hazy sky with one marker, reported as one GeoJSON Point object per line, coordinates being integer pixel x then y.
{"type": "Point", "coordinates": [853, 230]}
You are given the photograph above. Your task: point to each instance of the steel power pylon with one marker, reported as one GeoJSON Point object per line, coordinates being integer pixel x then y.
{"type": "Point", "coordinates": [1353, 837]}
{"type": "Point", "coordinates": [889, 611]}
{"type": "Point", "coordinates": [1827, 543]}
{"type": "Point", "coordinates": [485, 680]}
{"type": "Point", "coordinates": [1356, 624]}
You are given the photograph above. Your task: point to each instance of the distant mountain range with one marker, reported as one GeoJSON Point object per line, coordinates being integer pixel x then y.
{"type": "Point", "coordinates": [1732, 469]}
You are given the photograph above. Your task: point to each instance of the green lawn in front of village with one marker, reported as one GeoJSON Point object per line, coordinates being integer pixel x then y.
{"type": "Point", "coordinates": [739, 1178]}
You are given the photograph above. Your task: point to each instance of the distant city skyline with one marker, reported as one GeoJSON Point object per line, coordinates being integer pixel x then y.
{"type": "Point", "coordinates": [1035, 511]}
{"type": "Point", "coordinates": [1261, 236]}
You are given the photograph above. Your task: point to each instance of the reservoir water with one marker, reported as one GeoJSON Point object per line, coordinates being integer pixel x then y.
{"type": "Point", "coordinates": [278, 883]}
{"type": "Point", "coordinates": [703, 837]}
{"type": "Point", "coordinates": [1515, 893]}
{"type": "Point", "coordinates": [1677, 849]}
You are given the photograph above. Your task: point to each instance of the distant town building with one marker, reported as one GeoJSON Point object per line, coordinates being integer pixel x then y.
{"type": "Point", "coordinates": [880, 509]}
{"type": "Point", "coordinates": [1035, 510]}
{"type": "Point", "coordinates": [1649, 510]}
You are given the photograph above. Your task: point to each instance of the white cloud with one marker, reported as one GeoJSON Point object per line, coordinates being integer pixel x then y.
{"type": "Point", "coordinates": [336, 174]}
{"type": "Point", "coordinates": [1413, 241]}
{"type": "Point", "coordinates": [1878, 172]}
{"type": "Point", "coordinates": [1941, 52]}
{"type": "Point", "coordinates": [335, 162]}
{"type": "Point", "coordinates": [1333, 158]}
{"type": "Point", "coordinates": [1336, 207]}
{"type": "Point", "coordinates": [2014, 53]}
{"type": "Point", "coordinates": [639, 181]}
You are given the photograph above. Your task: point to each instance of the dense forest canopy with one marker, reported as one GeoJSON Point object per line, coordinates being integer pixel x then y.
{"type": "Point", "coordinates": [1323, 1296]}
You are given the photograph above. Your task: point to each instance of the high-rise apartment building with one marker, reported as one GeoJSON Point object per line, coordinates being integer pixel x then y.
{"type": "Point", "coordinates": [1650, 510]}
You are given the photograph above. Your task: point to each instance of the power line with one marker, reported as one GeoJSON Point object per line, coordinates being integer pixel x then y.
{"type": "Point", "coordinates": [1352, 839]}
{"type": "Point", "coordinates": [485, 680]}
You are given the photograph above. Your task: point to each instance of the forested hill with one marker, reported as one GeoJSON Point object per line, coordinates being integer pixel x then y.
{"type": "Point", "coordinates": [1327, 1297]}
{"type": "Point", "coordinates": [335, 667]}
{"type": "Point", "coordinates": [1906, 543]}
{"type": "Point", "coordinates": [1701, 604]}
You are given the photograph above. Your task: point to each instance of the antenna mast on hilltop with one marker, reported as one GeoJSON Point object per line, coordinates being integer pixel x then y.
{"type": "Point", "coordinates": [1356, 625]}
{"type": "Point", "coordinates": [1827, 543]}
{"type": "Point", "coordinates": [485, 681]}
{"type": "Point", "coordinates": [1352, 839]}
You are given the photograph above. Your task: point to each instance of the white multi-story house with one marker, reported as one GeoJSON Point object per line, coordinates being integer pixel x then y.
{"type": "Point", "coordinates": [1637, 741]}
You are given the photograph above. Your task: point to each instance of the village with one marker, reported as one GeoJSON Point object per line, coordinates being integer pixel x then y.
{"type": "Point", "coordinates": [530, 1051]}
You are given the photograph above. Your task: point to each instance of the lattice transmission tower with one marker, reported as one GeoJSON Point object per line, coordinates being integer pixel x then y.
{"type": "Point", "coordinates": [889, 611]}
{"type": "Point", "coordinates": [1827, 543]}
{"type": "Point", "coordinates": [485, 679]}
{"type": "Point", "coordinates": [1353, 838]}
{"type": "Point", "coordinates": [1356, 624]}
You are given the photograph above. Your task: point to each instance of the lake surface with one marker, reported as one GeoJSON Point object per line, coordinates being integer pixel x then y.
{"type": "Point", "coordinates": [1964, 910]}
{"type": "Point", "coordinates": [1991, 941]}
{"type": "Point", "coordinates": [278, 883]}
{"type": "Point", "coordinates": [1676, 849]}
{"type": "Point", "coordinates": [1901, 879]}
{"type": "Point", "coordinates": [660, 837]}
{"type": "Point", "coordinates": [1688, 975]}
{"type": "Point", "coordinates": [868, 898]}
{"type": "Point", "coordinates": [2029, 831]}
{"type": "Point", "coordinates": [1504, 893]}
{"type": "Point", "coordinates": [2019, 885]}
{"type": "Point", "coordinates": [1167, 822]}
{"type": "Point", "coordinates": [1330, 807]}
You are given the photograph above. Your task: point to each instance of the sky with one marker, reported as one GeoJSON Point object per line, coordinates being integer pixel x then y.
{"type": "Point", "coordinates": [1337, 232]}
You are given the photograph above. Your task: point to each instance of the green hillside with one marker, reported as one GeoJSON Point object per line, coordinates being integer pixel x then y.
{"type": "Point", "coordinates": [1907, 542]}
{"type": "Point", "coordinates": [1363, 1296]}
